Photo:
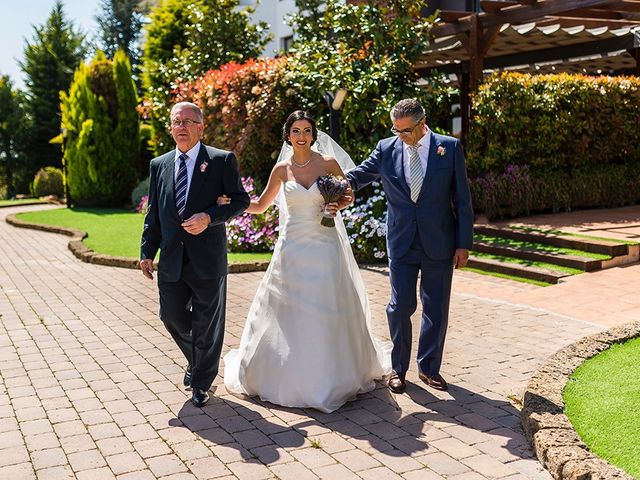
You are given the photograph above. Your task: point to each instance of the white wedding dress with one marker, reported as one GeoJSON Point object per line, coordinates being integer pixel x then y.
{"type": "Point", "coordinates": [307, 341]}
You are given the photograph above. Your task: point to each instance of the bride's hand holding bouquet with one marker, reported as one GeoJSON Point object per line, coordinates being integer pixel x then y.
{"type": "Point", "coordinates": [332, 188]}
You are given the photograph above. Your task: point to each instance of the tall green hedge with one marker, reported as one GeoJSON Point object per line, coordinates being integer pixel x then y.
{"type": "Point", "coordinates": [101, 133]}
{"type": "Point", "coordinates": [556, 121]}
{"type": "Point", "coordinates": [540, 143]}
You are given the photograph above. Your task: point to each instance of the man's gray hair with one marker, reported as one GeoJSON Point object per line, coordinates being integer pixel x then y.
{"type": "Point", "coordinates": [409, 107]}
{"type": "Point", "coordinates": [190, 106]}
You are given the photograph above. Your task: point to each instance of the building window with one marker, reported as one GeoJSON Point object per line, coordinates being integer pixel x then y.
{"type": "Point", "coordinates": [286, 42]}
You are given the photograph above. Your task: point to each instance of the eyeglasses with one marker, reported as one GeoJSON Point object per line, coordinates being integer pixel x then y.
{"type": "Point", "coordinates": [405, 131]}
{"type": "Point", "coordinates": [183, 123]}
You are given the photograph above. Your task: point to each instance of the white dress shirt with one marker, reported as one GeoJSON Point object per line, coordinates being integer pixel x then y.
{"type": "Point", "coordinates": [191, 163]}
{"type": "Point", "coordinates": [423, 152]}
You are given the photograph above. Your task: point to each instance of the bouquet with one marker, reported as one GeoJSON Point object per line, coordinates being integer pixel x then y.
{"type": "Point", "coordinates": [331, 188]}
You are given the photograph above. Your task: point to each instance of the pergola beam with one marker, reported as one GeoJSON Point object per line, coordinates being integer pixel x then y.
{"type": "Point", "coordinates": [518, 14]}
{"type": "Point", "coordinates": [602, 13]}
{"type": "Point", "coordinates": [628, 42]}
{"type": "Point", "coordinates": [567, 22]}
{"type": "Point", "coordinates": [491, 6]}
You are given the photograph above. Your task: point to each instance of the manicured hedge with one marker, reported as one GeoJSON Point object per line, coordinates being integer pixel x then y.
{"type": "Point", "coordinates": [557, 121]}
{"type": "Point", "coordinates": [540, 143]}
{"type": "Point", "coordinates": [522, 191]}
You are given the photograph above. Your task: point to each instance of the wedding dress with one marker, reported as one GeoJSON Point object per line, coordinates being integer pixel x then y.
{"type": "Point", "coordinates": [307, 341]}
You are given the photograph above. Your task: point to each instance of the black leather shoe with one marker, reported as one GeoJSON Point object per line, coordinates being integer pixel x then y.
{"type": "Point", "coordinates": [187, 377]}
{"type": "Point", "coordinates": [396, 383]}
{"type": "Point", "coordinates": [434, 381]}
{"type": "Point", "coordinates": [199, 397]}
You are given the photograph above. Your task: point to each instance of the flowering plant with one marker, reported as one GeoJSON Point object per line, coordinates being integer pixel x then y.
{"type": "Point", "coordinates": [331, 188]}
{"type": "Point", "coordinates": [366, 223]}
{"type": "Point", "coordinates": [252, 233]}
{"type": "Point", "coordinates": [143, 205]}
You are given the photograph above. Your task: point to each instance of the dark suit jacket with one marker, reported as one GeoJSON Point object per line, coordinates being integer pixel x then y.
{"type": "Point", "coordinates": [162, 230]}
{"type": "Point", "coordinates": [443, 214]}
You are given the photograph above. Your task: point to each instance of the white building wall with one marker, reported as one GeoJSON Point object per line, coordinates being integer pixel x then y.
{"type": "Point", "coordinates": [274, 12]}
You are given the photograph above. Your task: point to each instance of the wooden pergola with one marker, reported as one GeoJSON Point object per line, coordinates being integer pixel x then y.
{"type": "Point", "coordinates": [588, 36]}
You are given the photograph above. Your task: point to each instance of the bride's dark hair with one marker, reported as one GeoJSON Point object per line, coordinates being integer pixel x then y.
{"type": "Point", "coordinates": [294, 117]}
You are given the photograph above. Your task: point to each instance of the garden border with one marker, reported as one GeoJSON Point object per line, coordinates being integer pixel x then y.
{"type": "Point", "coordinates": [84, 253]}
{"type": "Point", "coordinates": [26, 204]}
{"type": "Point", "coordinates": [552, 436]}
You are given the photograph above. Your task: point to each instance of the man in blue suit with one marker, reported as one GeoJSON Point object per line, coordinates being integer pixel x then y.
{"type": "Point", "coordinates": [429, 230]}
{"type": "Point", "coordinates": [186, 224]}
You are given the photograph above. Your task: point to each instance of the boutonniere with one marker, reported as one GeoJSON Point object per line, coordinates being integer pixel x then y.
{"type": "Point", "coordinates": [203, 167]}
{"type": "Point", "coordinates": [441, 150]}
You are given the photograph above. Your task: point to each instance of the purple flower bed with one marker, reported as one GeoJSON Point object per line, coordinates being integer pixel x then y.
{"type": "Point", "coordinates": [253, 233]}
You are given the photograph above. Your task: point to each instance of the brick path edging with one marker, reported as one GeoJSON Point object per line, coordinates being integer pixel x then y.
{"type": "Point", "coordinates": [84, 253]}
{"type": "Point", "coordinates": [552, 436]}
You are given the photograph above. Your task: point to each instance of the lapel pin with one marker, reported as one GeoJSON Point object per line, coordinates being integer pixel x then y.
{"type": "Point", "coordinates": [204, 165]}
{"type": "Point", "coordinates": [441, 150]}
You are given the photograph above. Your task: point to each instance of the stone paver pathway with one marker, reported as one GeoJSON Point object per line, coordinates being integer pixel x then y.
{"type": "Point", "coordinates": [91, 386]}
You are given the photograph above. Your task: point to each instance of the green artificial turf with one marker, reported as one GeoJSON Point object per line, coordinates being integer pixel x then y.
{"type": "Point", "coordinates": [529, 263]}
{"type": "Point", "coordinates": [110, 231]}
{"type": "Point", "coordinates": [571, 234]}
{"type": "Point", "coordinates": [507, 276]}
{"type": "Point", "coordinates": [602, 399]}
{"type": "Point", "coordinates": [506, 242]}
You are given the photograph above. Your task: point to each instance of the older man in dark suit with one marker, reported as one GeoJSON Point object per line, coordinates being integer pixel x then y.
{"type": "Point", "coordinates": [185, 223]}
{"type": "Point", "coordinates": [429, 231]}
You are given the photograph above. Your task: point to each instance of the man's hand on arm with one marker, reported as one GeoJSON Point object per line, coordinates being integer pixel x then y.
{"type": "Point", "coordinates": [197, 223]}
{"type": "Point", "coordinates": [460, 258]}
{"type": "Point", "coordinates": [346, 199]}
{"type": "Point", "coordinates": [146, 266]}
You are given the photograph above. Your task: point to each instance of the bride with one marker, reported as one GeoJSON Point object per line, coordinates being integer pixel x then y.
{"type": "Point", "coordinates": [307, 341]}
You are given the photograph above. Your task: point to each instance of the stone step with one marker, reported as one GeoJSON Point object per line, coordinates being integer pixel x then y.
{"type": "Point", "coordinates": [538, 255]}
{"type": "Point", "coordinates": [516, 269]}
{"type": "Point", "coordinates": [605, 247]}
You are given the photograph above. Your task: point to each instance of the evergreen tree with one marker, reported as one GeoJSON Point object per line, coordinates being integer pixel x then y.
{"type": "Point", "coordinates": [13, 174]}
{"type": "Point", "coordinates": [186, 38]}
{"type": "Point", "coordinates": [101, 139]}
{"type": "Point", "coordinates": [50, 59]}
{"type": "Point", "coordinates": [119, 28]}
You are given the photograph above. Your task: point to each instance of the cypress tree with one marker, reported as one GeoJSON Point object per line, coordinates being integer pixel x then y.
{"type": "Point", "coordinates": [120, 27]}
{"type": "Point", "coordinates": [101, 132]}
{"type": "Point", "coordinates": [49, 62]}
{"type": "Point", "coordinates": [12, 128]}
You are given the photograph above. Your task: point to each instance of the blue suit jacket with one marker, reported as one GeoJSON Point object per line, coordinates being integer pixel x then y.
{"type": "Point", "coordinates": [443, 214]}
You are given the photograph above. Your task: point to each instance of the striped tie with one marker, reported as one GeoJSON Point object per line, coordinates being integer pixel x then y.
{"type": "Point", "coordinates": [181, 186]}
{"type": "Point", "coordinates": [415, 171]}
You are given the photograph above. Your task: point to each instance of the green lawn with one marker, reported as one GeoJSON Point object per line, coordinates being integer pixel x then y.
{"type": "Point", "coordinates": [507, 242]}
{"type": "Point", "coordinates": [570, 234]}
{"type": "Point", "coordinates": [22, 201]}
{"type": "Point", "coordinates": [507, 276]}
{"type": "Point", "coordinates": [602, 399]}
{"type": "Point", "coordinates": [112, 232]}
{"type": "Point", "coordinates": [530, 263]}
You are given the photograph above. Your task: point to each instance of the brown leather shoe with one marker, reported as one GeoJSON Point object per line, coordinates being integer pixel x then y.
{"type": "Point", "coordinates": [434, 381]}
{"type": "Point", "coordinates": [396, 383]}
